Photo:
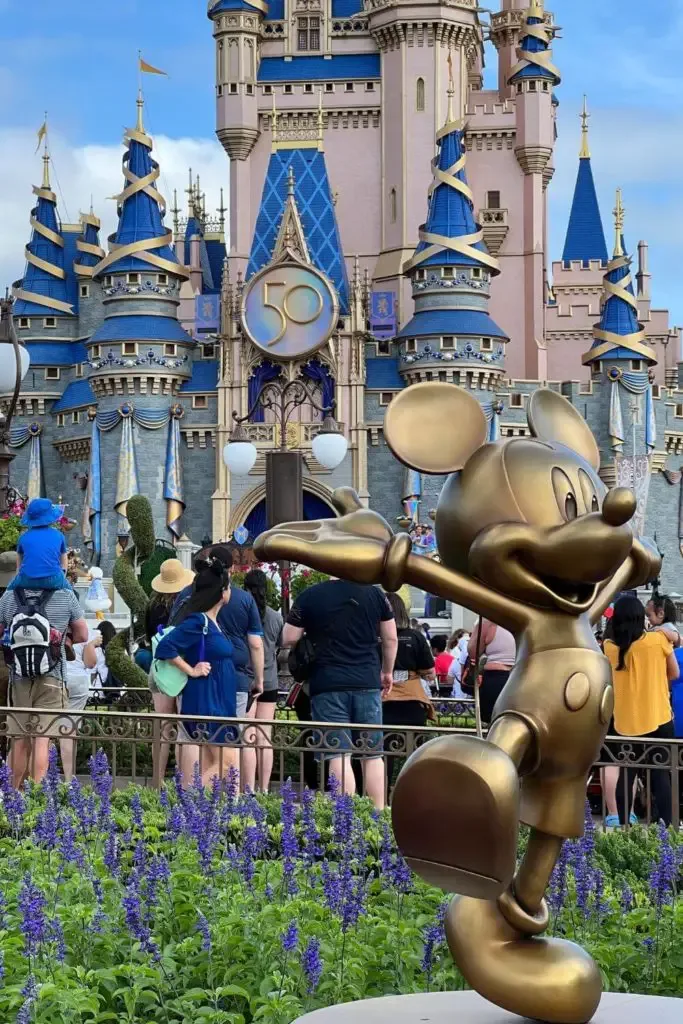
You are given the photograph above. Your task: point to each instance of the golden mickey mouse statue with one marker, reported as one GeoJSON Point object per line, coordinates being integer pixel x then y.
{"type": "Point", "coordinates": [530, 538]}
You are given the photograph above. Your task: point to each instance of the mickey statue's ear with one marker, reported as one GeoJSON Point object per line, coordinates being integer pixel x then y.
{"type": "Point", "coordinates": [552, 418]}
{"type": "Point", "coordinates": [434, 427]}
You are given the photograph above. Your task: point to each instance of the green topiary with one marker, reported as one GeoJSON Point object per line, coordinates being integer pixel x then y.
{"type": "Point", "coordinates": [139, 515]}
{"type": "Point", "coordinates": [120, 663]}
{"type": "Point", "coordinates": [151, 567]}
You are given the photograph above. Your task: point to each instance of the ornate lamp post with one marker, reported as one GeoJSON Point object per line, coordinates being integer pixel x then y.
{"type": "Point", "coordinates": [14, 364]}
{"type": "Point", "coordinates": [284, 475]}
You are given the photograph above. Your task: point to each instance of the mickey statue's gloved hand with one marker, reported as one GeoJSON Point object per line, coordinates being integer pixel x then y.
{"type": "Point", "coordinates": [647, 563]}
{"type": "Point", "coordinates": [359, 546]}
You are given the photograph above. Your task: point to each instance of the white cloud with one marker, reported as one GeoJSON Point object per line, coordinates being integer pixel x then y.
{"type": "Point", "coordinates": [80, 172]}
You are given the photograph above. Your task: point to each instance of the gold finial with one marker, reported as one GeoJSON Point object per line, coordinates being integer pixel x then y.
{"type": "Point", "coordinates": [140, 127]}
{"type": "Point", "coordinates": [618, 225]}
{"type": "Point", "coordinates": [536, 9]}
{"type": "Point", "coordinates": [450, 116]}
{"type": "Point", "coordinates": [584, 153]}
{"type": "Point", "coordinates": [290, 182]}
{"type": "Point", "coordinates": [46, 168]}
{"type": "Point", "coordinates": [175, 211]}
{"type": "Point", "coordinates": [190, 193]}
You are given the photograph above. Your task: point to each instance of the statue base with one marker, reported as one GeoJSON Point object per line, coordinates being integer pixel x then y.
{"type": "Point", "coordinates": [471, 1008]}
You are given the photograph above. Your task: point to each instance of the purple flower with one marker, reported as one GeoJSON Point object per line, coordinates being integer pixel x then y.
{"type": "Point", "coordinates": [30, 994]}
{"type": "Point", "coordinates": [99, 917]}
{"type": "Point", "coordinates": [626, 899]}
{"type": "Point", "coordinates": [232, 784]}
{"type": "Point", "coordinates": [2, 967]}
{"type": "Point", "coordinates": [46, 827]}
{"type": "Point", "coordinates": [32, 905]}
{"type": "Point", "coordinates": [69, 850]}
{"type": "Point", "coordinates": [664, 870]}
{"type": "Point", "coordinates": [13, 801]}
{"type": "Point", "coordinates": [557, 892]}
{"type": "Point", "coordinates": [434, 935]}
{"type": "Point", "coordinates": [204, 930]}
{"type": "Point", "coordinates": [135, 920]}
{"type": "Point", "coordinates": [163, 798]}
{"type": "Point", "coordinates": [3, 910]}
{"type": "Point", "coordinates": [111, 852]}
{"type": "Point", "coordinates": [600, 906]}
{"type": "Point", "coordinates": [290, 937]}
{"type": "Point", "coordinates": [55, 935]}
{"type": "Point", "coordinates": [312, 849]}
{"type": "Point", "coordinates": [158, 876]}
{"type": "Point", "coordinates": [311, 965]}
{"type": "Point", "coordinates": [50, 783]}
{"type": "Point", "coordinates": [395, 873]}
{"type": "Point", "coordinates": [136, 811]}
{"type": "Point", "coordinates": [290, 843]}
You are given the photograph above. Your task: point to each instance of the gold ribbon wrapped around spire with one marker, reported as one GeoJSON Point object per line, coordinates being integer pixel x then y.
{"type": "Point", "coordinates": [542, 59]}
{"type": "Point", "coordinates": [142, 249]}
{"type": "Point", "coordinates": [44, 192]}
{"type": "Point", "coordinates": [635, 342]}
{"type": "Point", "coordinates": [464, 245]}
{"type": "Point", "coordinates": [88, 247]}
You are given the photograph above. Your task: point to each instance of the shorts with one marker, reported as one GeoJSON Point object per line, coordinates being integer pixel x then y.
{"type": "Point", "coordinates": [57, 581]}
{"type": "Point", "coordinates": [47, 693]}
{"type": "Point", "coordinates": [349, 706]}
{"type": "Point", "coordinates": [76, 697]}
{"type": "Point", "coordinates": [242, 703]}
{"type": "Point", "coordinates": [268, 697]}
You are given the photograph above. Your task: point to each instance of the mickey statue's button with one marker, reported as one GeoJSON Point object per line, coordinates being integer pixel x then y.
{"type": "Point", "coordinates": [577, 691]}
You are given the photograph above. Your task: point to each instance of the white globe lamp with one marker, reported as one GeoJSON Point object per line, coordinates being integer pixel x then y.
{"type": "Point", "coordinates": [8, 366]}
{"type": "Point", "coordinates": [329, 444]}
{"type": "Point", "coordinates": [239, 454]}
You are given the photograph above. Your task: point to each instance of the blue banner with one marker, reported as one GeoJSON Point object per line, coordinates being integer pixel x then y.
{"type": "Point", "coordinates": [383, 314]}
{"type": "Point", "coordinates": [207, 311]}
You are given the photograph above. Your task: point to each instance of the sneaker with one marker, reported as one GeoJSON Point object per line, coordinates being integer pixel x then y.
{"type": "Point", "coordinates": [633, 819]}
{"type": "Point", "coordinates": [612, 821]}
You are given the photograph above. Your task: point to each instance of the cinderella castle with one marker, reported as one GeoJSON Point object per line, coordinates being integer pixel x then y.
{"type": "Point", "coordinates": [361, 144]}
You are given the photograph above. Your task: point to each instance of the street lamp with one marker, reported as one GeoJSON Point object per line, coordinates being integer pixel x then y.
{"type": "Point", "coordinates": [284, 477]}
{"type": "Point", "coordinates": [14, 364]}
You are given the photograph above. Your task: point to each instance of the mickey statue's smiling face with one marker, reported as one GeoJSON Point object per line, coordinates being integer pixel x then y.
{"type": "Point", "coordinates": [529, 517]}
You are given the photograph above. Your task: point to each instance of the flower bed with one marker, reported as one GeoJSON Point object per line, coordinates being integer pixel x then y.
{"type": "Point", "coordinates": [134, 906]}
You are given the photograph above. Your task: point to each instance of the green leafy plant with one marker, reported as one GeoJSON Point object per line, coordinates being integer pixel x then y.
{"type": "Point", "coordinates": [10, 531]}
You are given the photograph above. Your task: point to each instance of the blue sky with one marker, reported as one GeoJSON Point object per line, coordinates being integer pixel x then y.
{"type": "Point", "coordinates": [77, 58]}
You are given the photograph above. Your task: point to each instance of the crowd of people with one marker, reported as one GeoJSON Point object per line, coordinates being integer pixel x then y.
{"type": "Point", "coordinates": [210, 649]}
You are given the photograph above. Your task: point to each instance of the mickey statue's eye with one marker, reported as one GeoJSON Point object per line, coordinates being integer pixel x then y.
{"type": "Point", "coordinates": [595, 505]}
{"type": "Point", "coordinates": [570, 507]}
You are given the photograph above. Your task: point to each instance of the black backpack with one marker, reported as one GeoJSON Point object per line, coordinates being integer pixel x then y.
{"type": "Point", "coordinates": [31, 654]}
{"type": "Point", "coordinates": [305, 653]}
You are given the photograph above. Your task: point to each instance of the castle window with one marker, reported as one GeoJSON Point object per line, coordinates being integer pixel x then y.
{"type": "Point", "coordinates": [519, 86]}
{"type": "Point", "coordinates": [133, 278]}
{"type": "Point", "coordinates": [369, 86]}
{"type": "Point", "coordinates": [545, 87]}
{"type": "Point", "coordinates": [636, 364]}
{"type": "Point", "coordinates": [308, 87]}
{"type": "Point", "coordinates": [95, 352]}
{"type": "Point", "coordinates": [129, 348]}
{"type": "Point", "coordinates": [476, 273]}
{"type": "Point", "coordinates": [200, 402]}
{"type": "Point", "coordinates": [516, 401]}
{"type": "Point", "coordinates": [24, 322]}
{"type": "Point", "coordinates": [493, 200]}
{"type": "Point", "coordinates": [267, 90]}
{"type": "Point", "coordinates": [448, 343]}
{"type": "Point", "coordinates": [349, 87]}
{"type": "Point", "coordinates": [50, 321]}
{"type": "Point", "coordinates": [170, 350]}
{"type": "Point", "coordinates": [486, 345]}
{"type": "Point", "coordinates": [447, 272]}
{"type": "Point", "coordinates": [532, 86]}
{"type": "Point", "coordinates": [383, 347]}
{"type": "Point", "coordinates": [107, 280]}
{"type": "Point", "coordinates": [162, 278]}
{"type": "Point", "coordinates": [52, 373]}
{"type": "Point", "coordinates": [233, 87]}
{"type": "Point", "coordinates": [411, 346]}
{"type": "Point", "coordinates": [79, 369]}
{"type": "Point", "coordinates": [288, 89]}
{"type": "Point", "coordinates": [84, 291]}
{"type": "Point", "coordinates": [60, 419]}
{"type": "Point", "coordinates": [308, 33]}
{"type": "Point", "coordinates": [679, 411]}
{"type": "Point", "coordinates": [329, 86]}
{"type": "Point", "coordinates": [656, 391]}
{"type": "Point", "coordinates": [208, 351]}
{"type": "Point", "coordinates": [420, 275]}
{"type": "Point", "coordinates": [393, 213]}
{"type": "Point", "coordinates": [385, 397]}
{"type": "Point", "coordinates": [420, 94]}
{"type": "Point", "coordinates": [75, 417]}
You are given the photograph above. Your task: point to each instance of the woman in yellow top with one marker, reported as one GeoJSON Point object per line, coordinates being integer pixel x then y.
{"type": "Point", "coordinates": [643, 664]}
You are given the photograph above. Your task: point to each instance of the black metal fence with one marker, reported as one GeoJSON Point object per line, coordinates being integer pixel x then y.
{"type": "Point", "coordinates": [144, 747]}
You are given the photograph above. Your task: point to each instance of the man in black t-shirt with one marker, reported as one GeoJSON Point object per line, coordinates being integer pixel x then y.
{"type": "Point", "coordinates": [343, 621]}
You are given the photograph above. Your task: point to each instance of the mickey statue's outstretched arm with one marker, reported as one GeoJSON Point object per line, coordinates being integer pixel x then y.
{"type": "Point", "coordinates": [361, 546]}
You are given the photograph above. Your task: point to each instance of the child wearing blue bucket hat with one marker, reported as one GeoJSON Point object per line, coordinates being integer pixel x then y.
{"type": "Point", "coordinates": [41, 550]}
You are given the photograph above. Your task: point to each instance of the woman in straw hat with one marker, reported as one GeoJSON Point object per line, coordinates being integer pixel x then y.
{"type": "Point", "coordinates": [173, 577]}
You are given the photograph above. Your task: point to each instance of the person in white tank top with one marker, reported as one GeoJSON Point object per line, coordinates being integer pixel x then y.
{"type": "Point", "coordinates": [500, 648]}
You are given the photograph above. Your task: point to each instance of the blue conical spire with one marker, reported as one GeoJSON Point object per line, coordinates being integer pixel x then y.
{"type": "Point", "coordinates": [619, 335]}
{"type": "Point", "coordinates": [585, 239]}
{"type": "Point", "coordinates": [141, 241]}
{"type": "Point", "coordinates": [534, 53]}
{"type": "Point", "coordinates": [88, 247]}
{"type": "Point", "coordinates": [451, 236]}
{"type": "Point", "coordinates": [43, 289]}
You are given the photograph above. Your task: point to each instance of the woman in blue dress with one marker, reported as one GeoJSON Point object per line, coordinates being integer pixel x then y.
{"type": "Point", "coordinates": [198, 648]}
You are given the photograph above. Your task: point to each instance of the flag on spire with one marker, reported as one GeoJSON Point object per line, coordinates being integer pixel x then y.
{"type": "Point", "coordinates": [42, 132]}
{"type": "Point", "coordinates": [149, 69]}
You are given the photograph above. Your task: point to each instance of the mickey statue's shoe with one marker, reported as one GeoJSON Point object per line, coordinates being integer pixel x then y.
{"type": "Point", "coordinates": [544, 978]}
{"type": "Point", "coordinates": [455, 811]}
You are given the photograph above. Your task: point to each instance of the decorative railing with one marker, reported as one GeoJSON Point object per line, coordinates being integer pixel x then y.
{"type": "Point", "coordinates": [133, 742]}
